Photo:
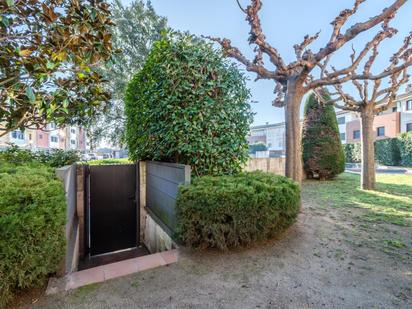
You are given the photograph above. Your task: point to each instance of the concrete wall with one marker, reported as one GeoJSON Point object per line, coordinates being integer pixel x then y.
{"type": "Point", "coordinates": [269, 165]}
{"type": "Point", "coordinates": [69, 177]}
{"type": "Point", "coordinates": [156, 239]}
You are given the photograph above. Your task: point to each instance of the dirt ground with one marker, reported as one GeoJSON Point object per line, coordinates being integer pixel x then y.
{"type": "Point", "coordinates": [323, 261]}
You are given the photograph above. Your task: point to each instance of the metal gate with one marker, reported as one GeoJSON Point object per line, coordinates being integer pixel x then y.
{"type": "Point", "coordinates": [113, 212]}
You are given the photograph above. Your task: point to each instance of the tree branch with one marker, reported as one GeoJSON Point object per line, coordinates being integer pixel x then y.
{"type": "Point", "coordinates": [235, 53]}
{"type": "Point", "coordinates": [257, 37]}
{"type": "Point", "coordinates": [338, 40]}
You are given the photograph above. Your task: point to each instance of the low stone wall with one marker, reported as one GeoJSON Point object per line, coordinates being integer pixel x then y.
{"type": "Point", "coordinates": [268, 165]}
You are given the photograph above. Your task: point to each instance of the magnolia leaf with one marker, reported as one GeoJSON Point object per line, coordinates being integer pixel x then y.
{"type": "Point", "coordinates": [30, 94]}
{"type": "Point", "coordinates": [50, 65]}
{"type": "Point", "coordinates": [25, 52]}
{"type": "Point", "coordinates": [61, 56]}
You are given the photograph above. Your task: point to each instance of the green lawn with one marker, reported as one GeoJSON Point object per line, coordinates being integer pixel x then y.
{"type": "Point", "coordinates": [391, 202]}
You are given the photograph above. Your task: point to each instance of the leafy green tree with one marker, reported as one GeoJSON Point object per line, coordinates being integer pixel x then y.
{"type": "Point", "coordinates": [257, 147]}
{"type": "Point", "coordinates": [323, 154]}
{"type": "Point", "coordinates": [137, 27]}
{"type": "Point", "coordinates": [50, 51]}
{"type": "Point", "coordinates": [188, 105]}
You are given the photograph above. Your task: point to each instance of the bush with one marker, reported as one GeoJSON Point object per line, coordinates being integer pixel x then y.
{"type": "Point", "coordinates": [405, 148]}
{"type": "Point", "coordinates": [257, 147]}
{"type": "Point", "coordinates": [32, 219]}
{"type": "Point", "coordinates": [321, 146]}
{"type": "Point", "coordinates": [54, 158]}
{"type": "Point", "coordinates": [387, 151]}
{"type": "Point", "coordinates": [232, 211]}
{"type": "Point", "coordinates": [109, 161]}
{"type": "Point", "coordinates": [353, 153]}
{"type": "Point", "coordinates": [391, 151]}
{"type": "Point", "coordinates": [188, 105]}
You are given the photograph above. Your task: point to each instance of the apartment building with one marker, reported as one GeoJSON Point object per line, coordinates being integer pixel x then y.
{"type": "Point", "coordinates": [51, 137]}
{"type": "Point", "coordinates": [390, 123]}
{"type": "Point", "coordinates": [272, 135]}
{"type": "Point", "coordinates": [395, 120]}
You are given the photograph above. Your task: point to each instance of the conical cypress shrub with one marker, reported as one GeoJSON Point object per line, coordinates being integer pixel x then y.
{"type": "Point", "coordinates": [323, 155]}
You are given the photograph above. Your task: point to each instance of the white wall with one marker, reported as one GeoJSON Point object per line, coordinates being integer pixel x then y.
{"type": "Point", "coordinates": [342, 127]}
{"type": "Point", "coordinates": [406, 117]}
{"type": "Point", "coordinates": [275, 138]}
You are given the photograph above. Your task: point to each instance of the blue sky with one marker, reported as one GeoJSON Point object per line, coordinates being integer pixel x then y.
{"type": "Point", "coordinates": [284, 23]}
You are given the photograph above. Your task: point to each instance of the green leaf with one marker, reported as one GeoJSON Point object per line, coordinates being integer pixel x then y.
{"type": "Point", "coordinates": [10, 2]}
{"type": "Point", "coordinates": [50, 65]}
{"type": "Point", "coordinates": [30, 94]}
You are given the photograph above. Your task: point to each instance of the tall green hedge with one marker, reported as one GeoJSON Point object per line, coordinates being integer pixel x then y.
{"type": "Point", "coordinates": [387, 151]}
{"type": "Point", "coordinates": [353, 153]}
{"type": "Point", "coordinates": [391, 151]}
{"type": "Point", "coordinates": [405, 148]}
{"type": "Point", "coordinates": [32, 219]}
{"type": "Point", "coordinates": [321, 146]}
{"type": "Point", "coordinates": [235, 210]}
{"type": "Point", "coordinates": [188, 105]}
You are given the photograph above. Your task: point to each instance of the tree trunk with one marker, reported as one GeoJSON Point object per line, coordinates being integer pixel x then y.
{"type": "Point", "coordinates": [294, 95]}
{"type": "Point", "coordinates": [368, 150]}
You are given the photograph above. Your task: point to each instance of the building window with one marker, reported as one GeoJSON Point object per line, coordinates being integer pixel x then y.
{"type": "Point", "coordinates": [17, 135]}
{"type": "Point", "coordinates": [73, 131]}
{"type": "Point", "coordinates": [381, 131]}
{"type": "Point", "coordinates": [53, 139]}
{"type": "Point", "coordinates": [394, 109]}
{"type": "Point", "coordinates": [30, 137]}
{"type": "Point", "coordinates": [342, 136]}
{"type": "Point", "coordinates": [409, 127]}
{"type": "Point", "coordinates": [72, 141]}
{"type": "Point", "coordinates": [341, 120]}
{"type": "Point", "coordinates": [40, 136]}
{"type": "Point", "coordinates": [409, 105]}
{"type": "Point", "coordinates": [52, 126]}
{"type": "Point", "coordinates": [356, 134]}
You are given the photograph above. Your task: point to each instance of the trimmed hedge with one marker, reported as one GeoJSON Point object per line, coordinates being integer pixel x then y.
{"type": "Point", "coordinates": [387, 151]}
{"type": "Point", "coordinates": [232, 211]}
{"type": "Point", "coordinates": [353, 153]}
{"type": "Point", "coordinates": [109, 161]}
{"type": "Point", "coordinates": [322, 151]}
{"type": "Point", "coordinates": [189, 105]}
{"type": "Point", "coordinates": [53, 158]}
{"type": "Point", "coordinates": [392, 151]}
{"type": "Point", "coordinates": [405, 148]}
{"type": "Point", "coordinates": [32, 219]}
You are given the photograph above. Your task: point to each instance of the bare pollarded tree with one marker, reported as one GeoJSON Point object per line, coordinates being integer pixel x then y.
{"type": "Point", "coordinates": [293, 80]}
{"type": "Point", "coordinates": [373, 97]}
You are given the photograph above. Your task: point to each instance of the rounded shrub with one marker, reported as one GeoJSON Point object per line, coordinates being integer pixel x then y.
{"type": "Point", "coordinates": [188, 105]}
{"type": "Point", "coordinates": [236, 210]}
{"type": "Point", "coordinates": [32, 219]}
{"type": "Point", "coordinates": [322, 149]}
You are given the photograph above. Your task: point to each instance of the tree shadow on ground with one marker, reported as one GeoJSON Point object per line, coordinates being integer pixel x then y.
{"type": "Point", "coordinates": [390, 203]}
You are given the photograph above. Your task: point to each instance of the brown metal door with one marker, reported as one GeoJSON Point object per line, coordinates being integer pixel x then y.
{"type": "Point", "coordinates": [113, 211]}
